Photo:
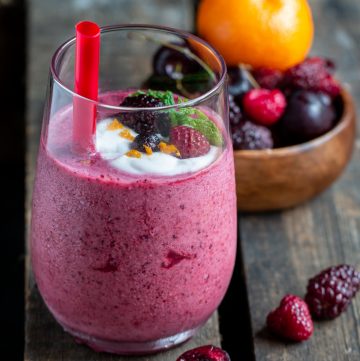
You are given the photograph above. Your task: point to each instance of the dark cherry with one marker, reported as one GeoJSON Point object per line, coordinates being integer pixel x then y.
{"type": "Point", "coordinates": [173, 64]}
{"type": "Point", "coordinates": [308, 115]}
{"type": "Point", "coordinates": [175, 71]}
{"type": "Point", "coordinates": [239, 83]}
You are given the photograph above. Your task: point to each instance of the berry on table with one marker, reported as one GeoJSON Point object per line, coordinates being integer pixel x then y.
{"type": "Point", "coordinates": [142, 121]}
{"type": "Point", "coordinates": [330, 292]}
{"type": "Point", "coordinates": [291, 320]}
{"type": "Point", "coordinates": [190, 142]}
{"type": "Point", "coordinates": [308, 115]}
{"type": "Point", "coordinates": [250, 136]}
{"type": "Point", "coordinates": [264, 106]}
{"type": "Point", "coordinates": [205, 353]}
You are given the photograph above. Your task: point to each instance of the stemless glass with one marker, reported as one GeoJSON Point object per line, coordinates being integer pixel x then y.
{"type": "Point", "coordinates": [133, 255]}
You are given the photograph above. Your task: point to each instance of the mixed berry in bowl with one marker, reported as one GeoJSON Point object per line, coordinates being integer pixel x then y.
{"type": "Point", "coordinates": [285, 108]}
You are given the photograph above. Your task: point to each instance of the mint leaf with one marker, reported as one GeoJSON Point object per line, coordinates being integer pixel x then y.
{"type": "Point", "coordinates": [166, 97]}
{"type": "Point", "coordinates": [196, 119]}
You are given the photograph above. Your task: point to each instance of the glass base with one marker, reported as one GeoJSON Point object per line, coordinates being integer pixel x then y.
{"type": "Point", "coordinates": [130, 348]}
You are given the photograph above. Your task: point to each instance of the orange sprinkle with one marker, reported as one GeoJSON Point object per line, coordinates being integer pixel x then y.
{"type": "Point", "coordinates": [127, 135]}
{"type": "Point", "coordinates": [114, 125]}
{"type": "Point", "coordinates": [133, 153]}
{"type": "Point", "coordinates": [169, 149]}
{"type": "Point", "coordinates": [148, 150]}
{"type": "Point", "coordinates": [86, 162]}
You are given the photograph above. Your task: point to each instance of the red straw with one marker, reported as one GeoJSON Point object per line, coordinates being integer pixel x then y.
{"type": "Point", "coordinates": [86, 84]}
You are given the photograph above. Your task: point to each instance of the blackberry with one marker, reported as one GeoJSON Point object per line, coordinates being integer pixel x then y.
{"type": "Point", "coordinates": [248, 135]}
{"type": "Point", "coordinates": [330, 292]}
{"type": "Point", "coordinates": [150, 140]}
{"type": "Point", "coordinates": [235, 113]}
{"type": "Point", "coordinates": [143, 121]}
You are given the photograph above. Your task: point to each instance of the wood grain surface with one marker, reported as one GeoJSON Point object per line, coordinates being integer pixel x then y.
{"type": "Point", "coordinates": [282, 250]}
{"type": "Point", "coordinates": [49, 24]}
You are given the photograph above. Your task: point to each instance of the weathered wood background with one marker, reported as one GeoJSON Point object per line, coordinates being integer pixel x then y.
{"type": "Point", "coordinates": [278, 252]}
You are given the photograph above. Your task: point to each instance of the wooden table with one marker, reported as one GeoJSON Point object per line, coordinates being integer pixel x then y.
{"type": "Point", "coordinates": [278, 251]}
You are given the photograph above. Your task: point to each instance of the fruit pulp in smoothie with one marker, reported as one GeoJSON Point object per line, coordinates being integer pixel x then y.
{"type": "Point", "coordinates": [122, 251]}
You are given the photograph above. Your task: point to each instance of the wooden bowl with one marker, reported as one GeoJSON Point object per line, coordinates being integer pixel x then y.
{"type": "Point", "coordinates": [284, 177]}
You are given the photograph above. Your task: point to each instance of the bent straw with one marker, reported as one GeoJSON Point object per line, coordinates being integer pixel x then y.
{"type": "Point", "coordinates": [87, 59]}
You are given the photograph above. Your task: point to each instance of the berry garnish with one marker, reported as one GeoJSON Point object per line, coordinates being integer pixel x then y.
{"type": "Point", "coordinates": [291, 320]}
{"type": "Point", "coordinates": [308, 115]}
{"type": "Point", "coordinates": [144, 142]}
{"type": "Point", "coordinates": [248, 135]}
{"type": "Point", "coordinates": [235, 114]}
{"type": "Point", "coordinates": [264, 106]}
{"type": "Point", "coordinates": [205, 353]}
{"type": "Point", "coordinates": [330, 292]}
{"type": "Point", "coordinates": [143, 121]}
{"type": "Point", "coordinates": [190, 142]}
{"type": "Point", "coordinates": [313, 74]}
{"type": "Point", "coordinates": [195, 118]}
{"type": "Point", "coordinates": [268, 78]}
{"type": "Point", "coordinates": [239, 82]}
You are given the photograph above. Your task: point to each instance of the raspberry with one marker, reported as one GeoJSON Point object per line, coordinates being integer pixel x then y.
{"type": "Point", "coordinates": [190, 142]}
{"type": "Point", "coordinates": [143, 121]}
{"type": "Point", "coordinates": [330, 292]}
{"type": "Point", "coordinates": [235, 114]}
{"type": "Point", "coordinates": [291, 320]}
{"type": "Point", "coordinates": [248, 135]}
{"type": "Point", "coordinates": [268, 78]}
{"type": "Point", "coordinates": [264, 106]}
{"type": "Point", "coordinates": [313, 74]}
{"type": "Point", "coordinates": [205, 353]}
{"type": "Point", "coordinates": [149, 140]}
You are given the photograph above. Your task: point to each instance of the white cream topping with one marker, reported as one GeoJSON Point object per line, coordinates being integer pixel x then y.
{"type": "Point", "coordinates": [113, 148]}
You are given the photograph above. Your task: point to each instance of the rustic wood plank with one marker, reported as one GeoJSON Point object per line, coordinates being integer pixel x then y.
{"type": "Point", "coordinates": [50, 23]}
{"type": "Point", "coordinates": [282, 250]}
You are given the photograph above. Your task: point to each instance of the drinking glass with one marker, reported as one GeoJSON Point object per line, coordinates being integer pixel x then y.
{"type": "Point", "coordinates": [133, 255]}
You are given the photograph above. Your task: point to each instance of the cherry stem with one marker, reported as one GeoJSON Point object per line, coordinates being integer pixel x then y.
{"type": "Point", "coordinates": [246, 69]}
{"type": "Point", "coordinates": [183, 50]}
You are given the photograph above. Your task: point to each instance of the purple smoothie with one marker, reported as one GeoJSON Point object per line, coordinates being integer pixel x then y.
{"type": "Point", "coordinates": [129, 259]}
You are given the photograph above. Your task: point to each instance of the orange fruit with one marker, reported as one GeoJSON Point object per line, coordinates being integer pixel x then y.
{"type": "Point", "coordinates": [272, 33]}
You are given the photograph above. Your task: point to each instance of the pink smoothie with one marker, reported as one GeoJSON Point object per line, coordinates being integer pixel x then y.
{"type": "Point", "coordinates": [130, 258]}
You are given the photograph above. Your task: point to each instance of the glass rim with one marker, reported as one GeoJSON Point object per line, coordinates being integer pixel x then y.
{"type": "Point", "coordinates": [164, 29]}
